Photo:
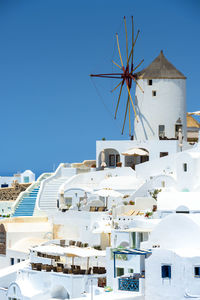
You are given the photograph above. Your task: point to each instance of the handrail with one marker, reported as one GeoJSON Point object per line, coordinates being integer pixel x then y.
{"type": "Point", "coordinates": [28, 190]}
{"type": "Point", "coordinates": [54, 175]}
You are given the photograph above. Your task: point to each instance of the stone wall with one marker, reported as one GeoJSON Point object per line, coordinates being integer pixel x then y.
{"type": "Point", "coordinates": [11, 193]}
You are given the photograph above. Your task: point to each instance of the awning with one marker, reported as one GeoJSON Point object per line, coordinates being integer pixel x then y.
{"type": "Point", "coordinates": [108, 193]}
{"type": "Point", "coordinates": [137, 229]}
{"type": "Point", "coordinates": [69, 251]}
{"type": "Point", "coordinates": [136, 152]}
{"type": "Point", "coordinates": [132, 251]}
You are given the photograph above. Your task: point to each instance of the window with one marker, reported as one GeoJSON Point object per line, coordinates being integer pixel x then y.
{"type": "Point", "coordinates": [120, 271]}
{"type": "Point", "coordinates": [185, 167]}
{"type": "Point", "coordinates": [130, 271]}
{"type": "Point", "coordinates": [153, 93]}
{"type": "Point", "coordinates": [111, 160]}
{"type": "Point", "coordinates": [12, 261]}
{"type": "Point", "coordinates": [166, 271]}
{"type": "Point", "coordinates": [196, 271]}
{"type": "Point", "coordinates": [18, 260]}
{"type": "Point", "coordinates": [161, 131]}
{"type": "Point", "coordinates": [150, 82]}
{"type": "Point", "coordinates": [26, 179]}
{"type": "Point", "coordinates": [117, 158]}
{"type": "Point", "coordinates": [162, 154]}
{"type": "Point", "coordinates": [68, 200]}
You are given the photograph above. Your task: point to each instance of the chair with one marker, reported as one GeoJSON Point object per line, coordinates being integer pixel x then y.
{"type": "Point", "coordinates": [65, 271]}
{"type": "Point", "coordinates": [72, 243]}
{"type": "Point", "coordinates": [39, 266]}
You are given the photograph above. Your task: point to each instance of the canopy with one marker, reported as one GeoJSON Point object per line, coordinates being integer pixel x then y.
{"type": "Point", "coordinates": [137, 229]}
{"type": "Point", "coordinates": [135, 152]}
{"type": "Point", "coordinates": [108, 193]}
{"type": "Point", "coordinates": [69, 251]}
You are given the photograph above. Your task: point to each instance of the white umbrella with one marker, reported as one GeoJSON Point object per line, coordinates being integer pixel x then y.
{"type": "Point", "coordinates": [108, 193]}
{"type": "Point", "coordinates": [135, 152]}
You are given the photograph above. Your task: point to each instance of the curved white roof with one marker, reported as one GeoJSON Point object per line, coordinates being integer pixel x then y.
{"type": "Point", "coordinates": [177, 231]}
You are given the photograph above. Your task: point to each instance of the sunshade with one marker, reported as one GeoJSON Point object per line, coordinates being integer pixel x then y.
{"type": "Point", "coordinates": [108, 193]}
{"type": "Point", "coordinates": [69, 251]}
{"type": "Point", "coordinates": [135, 152]}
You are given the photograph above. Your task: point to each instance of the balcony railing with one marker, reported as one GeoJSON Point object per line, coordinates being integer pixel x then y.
{"type": "Point", "coordinates": [129, 284]}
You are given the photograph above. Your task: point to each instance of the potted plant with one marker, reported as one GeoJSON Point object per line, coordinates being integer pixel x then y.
{"type": "Point", "coordinates": [119, 164]}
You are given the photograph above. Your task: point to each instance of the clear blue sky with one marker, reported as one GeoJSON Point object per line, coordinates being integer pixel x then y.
{"type": "Point", "coordinates": [50, 109]}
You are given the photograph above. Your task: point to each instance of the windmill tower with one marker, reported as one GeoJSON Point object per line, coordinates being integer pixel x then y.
{"type": "Point", "coordinates": [161, 109]}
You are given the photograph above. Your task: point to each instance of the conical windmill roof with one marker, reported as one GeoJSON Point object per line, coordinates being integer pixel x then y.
{"type": "Point", "coordinates": [160, 68]}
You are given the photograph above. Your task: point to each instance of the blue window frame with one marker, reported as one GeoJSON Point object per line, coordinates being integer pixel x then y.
{"type": "Point", "coordinates": [197, 271]}
{"type": "Point", "coordinates": [166, 271]}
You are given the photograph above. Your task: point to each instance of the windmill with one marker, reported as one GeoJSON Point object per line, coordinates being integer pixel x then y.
{"type": "Point", "coordinates": [126, 75]}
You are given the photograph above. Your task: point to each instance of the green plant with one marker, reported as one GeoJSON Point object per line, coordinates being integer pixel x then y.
{"type": "Point", "coordinates": [125, 202]}
{"type": "Point", "coordinates": [148, 214]}
{"type": "Point", "coordinates": [103, 139]}
{"type": "Point", "coordinates": [155, 193]}
{"type": "Point", "coordinates": [131, 202]}
{"type": "Point", "coordinates": [93, 166]}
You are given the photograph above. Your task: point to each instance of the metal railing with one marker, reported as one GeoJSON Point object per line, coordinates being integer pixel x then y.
{"type": "Point", "coordinates": [128, 284]}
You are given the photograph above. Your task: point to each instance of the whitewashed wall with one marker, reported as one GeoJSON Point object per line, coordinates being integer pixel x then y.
{"type": "Point", "coordinates": [165, 108]}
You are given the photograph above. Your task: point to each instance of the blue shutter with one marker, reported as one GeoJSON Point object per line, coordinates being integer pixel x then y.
{"type": "Point", "coordinates": [169, 271]}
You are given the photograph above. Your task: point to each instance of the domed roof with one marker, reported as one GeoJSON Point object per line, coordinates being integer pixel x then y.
{"type": "Point", "coordinates": [160, 68]}
{"type": "Point", "coordinates": [59, 292]}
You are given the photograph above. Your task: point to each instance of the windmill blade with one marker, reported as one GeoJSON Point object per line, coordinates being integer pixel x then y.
{"type": "Point", "coordinates": [138, 65]}
{"type": "Point", "coordinates": [116, 64]}
{"type": "Point", "coordinates": [117, 86]}
{"type": "Point", "coordinates": [132, 41]}
{"type": "Point", "coordinates": [129, 115]}
{"type": "Point", "coordinates": [125, 114]}
{"type": "Point", "coordinates": [133, 46]}
{"type": "Point", "coordinates": [126, 39]}
{"type": "Point", "coordinates": [119, 51]}
{"type": "Point", "coordinates": [119, 99]}
{"type": "Point", "coordinates": [131, 101]}
{"type": "Point", "coordinates": [137, 83]}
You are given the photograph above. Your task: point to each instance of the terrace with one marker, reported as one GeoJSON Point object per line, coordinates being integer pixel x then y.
{"type": "Point", "coordinates": [132, 282]}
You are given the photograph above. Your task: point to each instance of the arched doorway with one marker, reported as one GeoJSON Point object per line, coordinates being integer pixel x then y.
{"type": "Point", "coordinates": [112, 157]}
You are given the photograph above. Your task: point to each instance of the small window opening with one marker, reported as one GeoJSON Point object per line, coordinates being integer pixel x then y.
{"type": "Point", "coordinates": [150, 82]}
{"type": "Point", "coordinates": [197, 271]}
{"type": "Point", "coordinates": [120, 271]}
{"type": "Point", "coordinates": [162, 154]}
{"type": "Point", "coordinates": [166, 271]}
{"type": "Point", "coordinates": [161, 131]}
{"type": "Point", "coordinates": [185, 167]}
{"type": "Point", "coordinates": [12, 261]}
{"type": "Point", "coordinates": [153, 93]}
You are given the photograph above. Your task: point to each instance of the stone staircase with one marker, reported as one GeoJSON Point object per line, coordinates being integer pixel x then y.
{"type": "Point", "coordinates": [27, 204]}
{"type": "Point", "coordinates": [49, 196]}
